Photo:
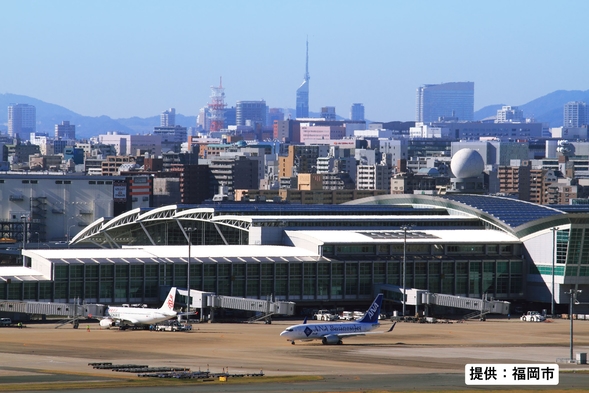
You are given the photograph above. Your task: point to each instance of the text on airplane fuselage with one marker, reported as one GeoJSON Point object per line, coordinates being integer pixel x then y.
{"type": "Point", "coordinates": [335, 328]}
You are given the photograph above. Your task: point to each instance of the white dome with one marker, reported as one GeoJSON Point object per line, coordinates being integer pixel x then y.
{"type": "Point", "coordinates": [467, 163]}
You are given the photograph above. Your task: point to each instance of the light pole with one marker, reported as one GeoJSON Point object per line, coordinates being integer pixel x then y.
{"type": "Point", "coordinates": [572, 298]}
{"type": "Point", "coordinates": [188, 302]}
{"type": "Point", "coordinates": [404, 229]}
{"type": "Point", "coordinates": [24, 237]}
{"type": "Point", "coordinates": [554, 229]}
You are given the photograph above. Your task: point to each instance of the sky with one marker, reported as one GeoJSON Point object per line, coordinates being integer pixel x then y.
{"type": "Point", "coordinates": [125, 58]}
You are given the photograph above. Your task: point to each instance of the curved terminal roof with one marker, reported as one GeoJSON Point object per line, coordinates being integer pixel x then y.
{"type": "Point", "coordinates": [511, 211]}
{"type": "Point", "coordinates": [510, 215]}
{"type": "Point", "coordinates": [507, 213]}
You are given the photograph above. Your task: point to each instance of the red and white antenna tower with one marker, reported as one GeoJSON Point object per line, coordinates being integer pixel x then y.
{"type": "Point", "coordinates": [217, 106]}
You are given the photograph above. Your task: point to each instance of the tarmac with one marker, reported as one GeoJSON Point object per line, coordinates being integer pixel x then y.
{"type": "Point", "coordinates": [413, 357]}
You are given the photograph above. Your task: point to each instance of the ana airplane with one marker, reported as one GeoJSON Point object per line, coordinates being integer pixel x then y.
{"type": "Point", "coordinates": [332, 333]}
{"type": "Point", "coordinates": [134, 316]}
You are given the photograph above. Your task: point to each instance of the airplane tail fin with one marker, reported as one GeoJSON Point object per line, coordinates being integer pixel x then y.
{"type": "Point", "coordinates": [371, 315]}
{"type": "Point", "coordinates": [169, 302]}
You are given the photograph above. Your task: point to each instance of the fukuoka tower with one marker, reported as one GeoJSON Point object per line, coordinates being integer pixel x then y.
{"type": "Point", "coordinates": [303, 91]}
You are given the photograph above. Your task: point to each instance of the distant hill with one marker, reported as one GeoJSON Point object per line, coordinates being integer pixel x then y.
{"type": "Point", "coordinates": [140, 125]}
{"type": "Point", "coordinates": [48, 115]}
{"type": "Point", "coordinates": [548, 108]}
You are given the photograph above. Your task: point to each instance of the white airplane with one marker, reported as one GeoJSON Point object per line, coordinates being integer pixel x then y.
{"type": "Point", "coordinates": [332, 333]}
{"type": "Point", "coordinates": [133, 316]}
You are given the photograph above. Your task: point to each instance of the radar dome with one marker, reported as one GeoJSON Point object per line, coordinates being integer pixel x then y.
{"type": "Point", "coordinates": [467, 163]}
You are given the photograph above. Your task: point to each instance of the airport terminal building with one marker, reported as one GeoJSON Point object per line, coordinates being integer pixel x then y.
{"type": "Point", "coordinates": [319, 255]}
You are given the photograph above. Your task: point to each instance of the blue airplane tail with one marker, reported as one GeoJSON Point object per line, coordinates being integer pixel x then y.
{"type": "Point", "coordinates": [371, 315]}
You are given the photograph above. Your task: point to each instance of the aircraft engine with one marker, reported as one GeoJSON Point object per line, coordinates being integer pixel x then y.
{"type": "Point", "coordinates": [106, 323]}
{"type": "Point", "coordinates": [331, 340]}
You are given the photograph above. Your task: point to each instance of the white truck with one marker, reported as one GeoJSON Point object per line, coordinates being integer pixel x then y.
{"type": "Point", "coordinates": [533, 316]}
{"type": "Point", "coordinates": [347, 316]}
{"type": "Point", "coordinates": [324, 315]}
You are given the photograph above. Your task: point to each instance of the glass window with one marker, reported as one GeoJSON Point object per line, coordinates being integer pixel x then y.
{"type": "Point", "coordinates": [122, 271]}
{"type": "Point", "coordinates": [76, 272]}
{"type": "Point", "coordinates": [295, 287]}
{"type": "Point", "coordinates": [91, 271]}
{"type": "Point", "coordinates": [562, 239]}
{"type": "Point", "coordinates": [45, 291]}
{"type": "Point", "coordinates": [107, 290]}
{"type": "Point", "coordinates": [60, 291]}
{"type": "Point", "coordinates": [281, 270]}
{"type": "Point", "coordinates": [253, 270]}
{"type": "Point", "coordinates": [61, 272]}
{"type": "Point", "coordinates": [30, 291]}
{"type": "Point", "coordinates": [238, 270]}
{"type": "Point", "coordinates": [106, 271]}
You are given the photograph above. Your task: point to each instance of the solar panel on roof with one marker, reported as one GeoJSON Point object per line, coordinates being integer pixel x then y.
{"type": "Point", "coordinates": [512, 212]}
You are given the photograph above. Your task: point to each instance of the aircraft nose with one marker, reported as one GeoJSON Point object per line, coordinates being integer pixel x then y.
{"type": "Point", "coordinates": [284, 333]}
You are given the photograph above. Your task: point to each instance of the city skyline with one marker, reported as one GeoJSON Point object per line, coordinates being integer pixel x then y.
{"type": "Point", "coordinates": [108, 59]}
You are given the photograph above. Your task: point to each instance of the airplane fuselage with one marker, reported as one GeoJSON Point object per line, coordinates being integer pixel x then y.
{"type": "Point", "coordinates": [314, 331]}
{"type": "Point", "coordinates": [139, 316]}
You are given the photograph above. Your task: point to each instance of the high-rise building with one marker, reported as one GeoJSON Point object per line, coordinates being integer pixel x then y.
{"type": "Point", "coordinates": [575, 114]}
{"type": "Point", "coordinates": [510, 114]}
{"type": "Point", "coordinates": [328, 112]}
{"type": "Point", "coordinates": [172, 137]}
{"type": "Point", "coordinates": [250, 113]}
{"type": "Point", "coordinates": [22, 119]}
{"type": "Point", "coordinates": [303, 91]}
{"type": "Point", "coordinates": [453, 99]}
{"type": "Point", "coordinates": [357, 112]}
{"type": "Point", "coordinates": [65, 130]}
{"type": "Point", "coordinates": [168, 118]}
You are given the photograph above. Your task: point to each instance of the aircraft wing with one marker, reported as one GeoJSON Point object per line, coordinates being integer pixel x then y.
{"type": "Point", "coordinates": [132, 321]}
{"type": "Point", "coordinates": [187, 313]}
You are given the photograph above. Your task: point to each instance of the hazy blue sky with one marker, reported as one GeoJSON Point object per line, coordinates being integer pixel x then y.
{"type": "Point", "coordinates": [128, 58]}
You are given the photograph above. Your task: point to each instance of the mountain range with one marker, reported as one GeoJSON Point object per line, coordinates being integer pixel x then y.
{"type": "Point", "coordinates": [548, 108]}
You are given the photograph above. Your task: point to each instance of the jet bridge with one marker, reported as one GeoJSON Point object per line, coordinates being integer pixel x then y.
{"type": "Point", "coordinates": [266, 307]}
{"type": "Point", "coordinates": [418, 297]}
{"type": "Point", "coordinates": [72, 311]}
{"type": "Point", "coordinates": [201, 300]}
{"type": "Point", "coordinates": [52, 309]}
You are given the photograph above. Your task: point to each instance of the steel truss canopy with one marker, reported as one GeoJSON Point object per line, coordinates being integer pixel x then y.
{"type": "Point", "coordinates": [97, 232]}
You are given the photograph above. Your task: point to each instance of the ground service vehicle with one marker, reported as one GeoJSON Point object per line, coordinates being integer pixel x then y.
{"type": "Point", "coordinates": [5, 322]}
{"type": "Point", "coordinates": [533, 316]}
{"type": "Point", "coordinates": [324, 315]}
{"type": "Point", "coordinates": [347, 316]}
